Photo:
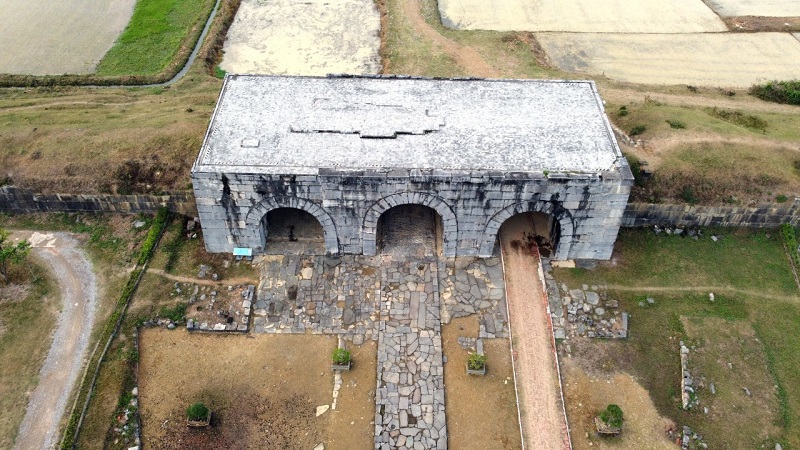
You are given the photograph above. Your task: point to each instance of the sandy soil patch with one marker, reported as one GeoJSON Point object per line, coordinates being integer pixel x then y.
{"type": "Point", "coordinates": [769, 8]}
{"type": "Point", "coordinates": [469, 397]}
{"type": "Point", "coordinates": [725, 60]}
{"type": "Point", "coordinates": [581, 16]}
{"type": "Point", "coordinates": [263, 389]}
{"type": "Point", "coordinates": [303, 37]}
{"type": "Point", "coordinates": [534, 360]}
{"type": "Point", "coordinates": [588, 394]}
{"type": "Point", "coordinates": [43, 37]}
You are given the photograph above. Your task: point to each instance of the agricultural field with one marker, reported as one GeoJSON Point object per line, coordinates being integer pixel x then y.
{"type": "Point", "coordinates": [742, 342]}
{"type": "Point", "coordinates": [734, 60]}
{"type": "Point", "coordinates": [581, 16]}
{"type": "Point", "coordinates": [303, 38]}
{"type": "Point", "coordinates": [50, 38]}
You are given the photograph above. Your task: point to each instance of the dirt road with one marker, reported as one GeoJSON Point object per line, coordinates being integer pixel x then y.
{"type": "Point", "coordinates": [542, 411]}
{"type": "Point", "coordinates": [62, 367]}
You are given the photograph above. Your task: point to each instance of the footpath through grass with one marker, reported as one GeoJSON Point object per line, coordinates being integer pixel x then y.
{"type": "Point", "coordinates": [157, 32]}
{"type": "Point", "coordinates": [748, 337]}
{"type": "Point", "coordinates": [28, 308]}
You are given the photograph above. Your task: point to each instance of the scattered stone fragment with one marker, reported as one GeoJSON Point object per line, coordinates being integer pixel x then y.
{"type": "Point", "coordinates": [322, 409]}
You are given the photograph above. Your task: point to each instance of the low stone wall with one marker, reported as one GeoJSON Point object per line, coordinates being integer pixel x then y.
{"type": "Point", "coordinates": [17, 200]}
{"type": "Point", "coordinates": [762, 216]}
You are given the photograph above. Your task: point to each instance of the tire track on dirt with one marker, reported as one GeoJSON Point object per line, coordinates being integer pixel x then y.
{"type": "Point", "coordinates": [62, 367]}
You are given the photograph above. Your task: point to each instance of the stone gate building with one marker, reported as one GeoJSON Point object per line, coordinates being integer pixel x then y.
{"type": "Point", "coordinates": [348, 149]}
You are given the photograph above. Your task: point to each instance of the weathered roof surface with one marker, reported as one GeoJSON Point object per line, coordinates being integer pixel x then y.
{"type": "Point", "coordinates": [266, 124]}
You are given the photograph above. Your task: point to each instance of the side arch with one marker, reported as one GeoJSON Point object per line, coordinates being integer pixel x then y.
{"type": "Point", "coordinates": [257, 213]}
{"type": "Point", "coordinates": [369, 231]}
{"type": "Point", "coordinates": [558, 212]}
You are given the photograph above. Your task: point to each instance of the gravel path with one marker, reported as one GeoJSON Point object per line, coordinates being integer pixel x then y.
{"type": "Point", "coordinates": [542, 413]}
{"type": "Point", "coordinates": [62, 367]}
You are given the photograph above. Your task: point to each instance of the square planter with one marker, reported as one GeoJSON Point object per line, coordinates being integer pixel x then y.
{"type": "Point", "coordinates": [200, 423]}
{"type": "Point", "coordinates": [480, 372]}
{"type": "Point", "coordinates": [342, 366]}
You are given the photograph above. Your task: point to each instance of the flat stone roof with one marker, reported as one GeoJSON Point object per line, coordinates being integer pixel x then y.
{"type": "Point", "coordinates": [287, 125]}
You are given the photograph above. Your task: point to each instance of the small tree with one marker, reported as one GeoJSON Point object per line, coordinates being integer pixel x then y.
{"type": "Point", "coordinates": [11, 254]}
{"type": "Point", "coordinates": [197, 412]}
{"type": "Point", "coordinates": [612, 416]}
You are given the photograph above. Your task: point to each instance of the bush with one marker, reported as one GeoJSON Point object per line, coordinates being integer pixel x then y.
{"type": "Point", "coordinates": [676, 124]}
{"type": "Point", "coordinates": [197, 411]}
{"type": "Point", "coordinates": [476, 361]}
{"type": "Point", "coordinates": [341, 357]}
{"type": "Point", "coordinates": [637, 130]}
{"type": "Point", "coordinates": [778, 91]}
{"type": "Point", "coordinates": [623, 111]}
{"type": "Point", "coordinates": [781, 198]}
{"type": "Point", "coordinates": [152, 235]}
{"type": "Point", "coordinates": [612, 416]}
{"type": "Point", "coordinates": [688, 195]}
{"type": "Point", "coordinates": [175, 314]}
{"type": "Point", "coordinates": [737, 118]}
{"type": "Point", "coordinates": [790, 238]}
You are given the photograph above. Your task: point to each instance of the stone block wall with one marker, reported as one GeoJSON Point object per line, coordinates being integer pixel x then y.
{"type": "Point", "coordinates": [761, 216]}
{"type": "Point", "coordinates": [472, 206]}
{"type": "Point", "coordinates": [17, 200]}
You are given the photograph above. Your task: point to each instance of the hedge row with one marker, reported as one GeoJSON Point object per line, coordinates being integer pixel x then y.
{"type": "Point", "coordinates": [778, 91]}
{"type": "Point", "coordinates": [110, 330]}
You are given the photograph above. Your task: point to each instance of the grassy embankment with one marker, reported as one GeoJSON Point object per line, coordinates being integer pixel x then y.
{"type": "Point", "coordinates": [753, 324]}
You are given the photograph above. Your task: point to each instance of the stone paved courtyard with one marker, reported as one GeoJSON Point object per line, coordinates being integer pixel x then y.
{"type": "Point", "coordinates": [398, 301]}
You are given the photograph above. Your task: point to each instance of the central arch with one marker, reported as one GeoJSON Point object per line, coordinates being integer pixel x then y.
{"type": "Point", "coordinates": [449, 221]}
{"type": "Point", "coordinates": [563, 216]}
{"type": "Point", "coordinates": [258, 213]}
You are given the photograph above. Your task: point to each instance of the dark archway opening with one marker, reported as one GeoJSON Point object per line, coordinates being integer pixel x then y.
{"type": "Point", "coordinates": [293, 230]}
{"type": "Point", "coordinates": [532, 229]}
{"type": "Point", "coordinates": [410, 230]}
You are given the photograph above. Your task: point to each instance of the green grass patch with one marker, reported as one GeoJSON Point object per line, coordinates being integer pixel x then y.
{"type": "Point", "coordinates": [778, 91]}
{"type": "Point", "coordinates": [158, 31]}
{"type": "Point", "coordinates": [753, 324]}
{"type": "Point", "coordinates": [739, 118]}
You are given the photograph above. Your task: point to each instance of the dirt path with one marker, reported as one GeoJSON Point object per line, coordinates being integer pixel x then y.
{"type": "Point", "coordinates": [465, 56]}
{"type": "Point", "coordinates": [62, 367]}
{"type": "Point", "coordinates": [715, 289]}
{"type": "Point", "coordinates": [542, 411]}
{"type": "Point", "coordinates": [180, 279]}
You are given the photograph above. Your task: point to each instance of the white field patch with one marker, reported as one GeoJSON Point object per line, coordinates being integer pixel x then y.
{"type": "Point", "coordinates": [581, 16]}
{"type": "Point", "coordinates": [734, 60]}
{"type": "Point", "coordinates": [763, 8]}
{"type": "Point", "coordinates": [45, 37]}
{"type": "Point", "coordinates": [304, 37]}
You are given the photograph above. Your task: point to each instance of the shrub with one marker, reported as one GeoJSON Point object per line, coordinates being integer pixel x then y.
{"type": "Point", "coordinates": [152, 235]}
{"type": "Point", "coordinates": [476, 361]}
{"type": "Point", "coordinates": [676, 124]}
{"type": "Point", "coordinates": [637, 130]}
{"type": "Point", "coordinates": [612, 416]}
{"type": "Point", "coordinates": [781, 198]}
{"type": "Point", "coordinates": [737, 118]}
{"type": "Point", "coordinates": [688, 195]}
{"type": "Point", "coordinates": [778, 91]}
{"type": "Point", "coordinates": [623, 111]}
{"type": "Point", "coordinates": [341, 357]}
{"type": "Point", "coordinates": [197, 411]}
{"type": "Point", "coordinates": [176, 313]}
{"type": "Point", "coordinates": [790, 238]}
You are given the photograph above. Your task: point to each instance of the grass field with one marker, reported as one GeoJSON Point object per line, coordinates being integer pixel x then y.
{"type": "Point", "coordinates": [28, 310]}
{"type": "Point", "coordinates": [754, 323]}
{"type": "Point", "coordinates": [157, 32]}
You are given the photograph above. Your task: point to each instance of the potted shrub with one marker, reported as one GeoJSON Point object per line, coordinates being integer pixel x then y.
{"type": "Point", "coordinates": [476, 364]}
{"type": "Point", "coordinates": [340, 360]}
{"type": "Point", "coordinates": [198, 415]}
{"type": "Point", "coordinates": [610, 421]}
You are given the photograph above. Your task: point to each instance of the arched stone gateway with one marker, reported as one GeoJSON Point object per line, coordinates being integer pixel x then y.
{"type": "Point", "coordinates": [348, 149]}
{"type": "Point", "coordinates": [449, 221]}
{"type": "Point", "coordinates": [257, 214]}
{"type": "Point", "coordinates": [563, 216]}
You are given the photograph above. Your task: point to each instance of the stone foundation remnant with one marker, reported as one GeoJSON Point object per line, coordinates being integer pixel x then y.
{"type": "Point", "coordinates": [347, 149]}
